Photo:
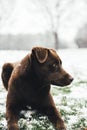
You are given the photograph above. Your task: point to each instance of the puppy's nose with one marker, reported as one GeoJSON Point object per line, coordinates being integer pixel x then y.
{"type": "Point", "coordinates": [71, 78]}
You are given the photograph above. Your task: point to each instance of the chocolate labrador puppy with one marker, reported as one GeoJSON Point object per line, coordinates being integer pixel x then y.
{"type": "Point", "coordinates": [28, 84]}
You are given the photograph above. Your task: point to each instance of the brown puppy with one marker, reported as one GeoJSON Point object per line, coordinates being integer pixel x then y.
{"type": "Point", "coordinates": [28, 84]}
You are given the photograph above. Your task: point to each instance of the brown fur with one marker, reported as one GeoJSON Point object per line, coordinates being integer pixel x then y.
{"type": "Point", "coordinates": [28, 84]}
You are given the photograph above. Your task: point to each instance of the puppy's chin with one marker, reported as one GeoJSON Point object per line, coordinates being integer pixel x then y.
{"type": "Point", "coordinates": [61, 84]}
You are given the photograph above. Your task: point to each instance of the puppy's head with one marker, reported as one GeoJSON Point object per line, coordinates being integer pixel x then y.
{"type": "Point", "coordinates": [47, 66]}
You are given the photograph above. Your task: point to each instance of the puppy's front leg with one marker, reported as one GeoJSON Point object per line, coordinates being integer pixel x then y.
{"type": "Point", "coordinates": [12, 112]}
{"type": "Point", "coordinates": [12, 119]}
{"type": "Point", "coordinates": [54, 116]}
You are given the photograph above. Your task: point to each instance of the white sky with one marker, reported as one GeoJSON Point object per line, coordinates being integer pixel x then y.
{"type": "Point", "coordinates": [27, 17]}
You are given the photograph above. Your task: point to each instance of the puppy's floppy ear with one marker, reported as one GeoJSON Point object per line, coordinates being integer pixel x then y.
{"type": "Point", "coordinates": [40, 53]}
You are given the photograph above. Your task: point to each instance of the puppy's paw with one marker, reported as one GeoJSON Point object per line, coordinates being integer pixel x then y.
{"type": "Point", "coordinates": [60, 126]}
{"type": "Point", "coordinates": [13, 127]}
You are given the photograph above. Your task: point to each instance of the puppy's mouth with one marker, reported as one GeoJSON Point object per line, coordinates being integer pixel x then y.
{"type": "Point", "coordinates": [62, 82]}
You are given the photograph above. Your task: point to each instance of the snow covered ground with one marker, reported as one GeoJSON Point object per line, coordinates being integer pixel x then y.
{"type": "Point", "coordinates": [71, 100]}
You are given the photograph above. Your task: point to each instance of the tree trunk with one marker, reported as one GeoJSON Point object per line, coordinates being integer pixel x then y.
{"type": "Point", "coordinates": [56, 40]}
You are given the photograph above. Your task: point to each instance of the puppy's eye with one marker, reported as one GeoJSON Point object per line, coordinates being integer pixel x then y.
{"type": "Point", "coordinates": [55, 67]}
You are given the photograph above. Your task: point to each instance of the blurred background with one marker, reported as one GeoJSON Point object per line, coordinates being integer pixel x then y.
{"type": "Point", "coordinates": [50, 23]}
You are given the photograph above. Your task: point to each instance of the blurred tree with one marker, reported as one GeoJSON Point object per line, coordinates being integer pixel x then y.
{"type": "Point", "coordinates": [51, 13]}
{"type": "Point", "coordinates": [81, 37]}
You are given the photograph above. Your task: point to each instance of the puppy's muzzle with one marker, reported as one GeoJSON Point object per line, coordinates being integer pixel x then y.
{"type": "Point", "coordinates": [66, 80]}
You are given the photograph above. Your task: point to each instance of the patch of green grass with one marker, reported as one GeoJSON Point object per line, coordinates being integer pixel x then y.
{"type": "Point", "coordinates": [79, 124]}
{"type": "Point", "coordinates": [64, 90]}
{"type": "Point", "coordinates": [37, 122]}
{"type": "Point", "coordinates": [68, 107]}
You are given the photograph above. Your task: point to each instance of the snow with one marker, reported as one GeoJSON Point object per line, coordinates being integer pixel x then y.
{"type": "Point", "coordinates": [79, 92]}
{"type": "Point", "coordinates": [70, 100]}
